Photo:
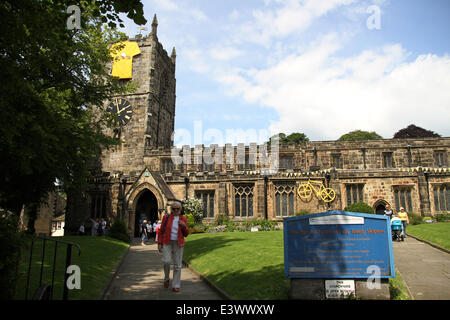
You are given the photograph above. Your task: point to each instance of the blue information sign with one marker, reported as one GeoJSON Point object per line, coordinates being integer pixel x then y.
{"type": "Point", "coordinates": [338, 244]}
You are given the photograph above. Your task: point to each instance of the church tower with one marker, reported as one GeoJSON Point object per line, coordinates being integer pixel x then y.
{"type": "Point", "coordinates": [127, 186]}
{"type": "Point", "coordinates": [147, 116]}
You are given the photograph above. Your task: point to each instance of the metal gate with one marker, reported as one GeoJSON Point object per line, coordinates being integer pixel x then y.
{"type": "Point", "coordinates": [45, 289]}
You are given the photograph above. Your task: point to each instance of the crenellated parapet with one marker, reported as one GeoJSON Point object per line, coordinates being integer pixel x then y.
{"type": "Point", "coordinates": [301, 159]}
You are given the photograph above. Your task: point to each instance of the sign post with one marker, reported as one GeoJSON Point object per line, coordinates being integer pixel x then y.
{"type": "Point", "coordinates": [338, 254]}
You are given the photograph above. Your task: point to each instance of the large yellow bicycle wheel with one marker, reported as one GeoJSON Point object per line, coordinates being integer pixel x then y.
{"type": "Point", "coordinates": [328, 194]}
{"type": "Point", "coordinates": [304, 191]}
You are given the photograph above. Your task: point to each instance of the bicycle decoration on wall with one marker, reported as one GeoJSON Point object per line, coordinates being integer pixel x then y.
{"type": "Point", "coordinates": [305, 191]}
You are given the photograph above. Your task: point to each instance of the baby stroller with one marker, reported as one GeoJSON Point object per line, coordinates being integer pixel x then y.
{"type": "Point", "coordinates": [396, 227]}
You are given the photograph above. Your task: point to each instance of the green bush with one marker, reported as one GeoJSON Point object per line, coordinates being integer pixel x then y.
{"type": "Point", "coordinates": [222, 220]}
{"type": "Point", "coordinates": [263, 224]}
{"type": "Point", "coordinates": [361, 207]}
{"type": "Point", "coordinates": [119, 226]}
{"type": "Point", "coordinates": [302, 212]}
{"type": "Point", "coordinates": [119, 231]}
{"type": "Point", "coordinates": [190, 220]}
{"type": "Point", "coordinates": [414, 218]}
{"type": "Point", "coordinates": [223, 223]}
{"type": "Point", "coordinates": [442, 217]}
{"type": "Point", "coordinates": [11, 242]}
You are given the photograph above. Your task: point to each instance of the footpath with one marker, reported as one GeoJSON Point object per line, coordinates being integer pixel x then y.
{"type": "Point", "coordinates": [140, 276]}
{"type": "Point", "coordinates": [424, 269]}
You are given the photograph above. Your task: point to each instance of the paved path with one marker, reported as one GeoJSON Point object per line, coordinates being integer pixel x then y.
{"type": "Point", "coordinates": [426, 270]}
{"type": "Point", "coordinates": [140, 277]}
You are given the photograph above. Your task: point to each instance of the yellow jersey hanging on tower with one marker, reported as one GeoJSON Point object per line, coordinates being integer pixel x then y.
{"type": "Point", "coordinates": [123, 59]}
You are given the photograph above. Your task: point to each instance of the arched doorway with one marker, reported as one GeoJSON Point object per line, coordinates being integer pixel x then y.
{"type": "Point", "coordinates": [146, 208]}
{"type": "Point", "coordinates": [380, 206]}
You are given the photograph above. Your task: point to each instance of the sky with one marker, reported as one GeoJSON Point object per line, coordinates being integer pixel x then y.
{"type": "Point", "coordinates": [247, 70]}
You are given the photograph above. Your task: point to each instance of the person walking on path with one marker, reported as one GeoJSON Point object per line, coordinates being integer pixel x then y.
{"type": "Point", "coordinates": [155, 226]}
{"type": "Point", "coordinates": [404, 218]}
{"type": "Point", "coordinates": [158, 226]}
{"type": "Point", "coordinates": [174, 229]}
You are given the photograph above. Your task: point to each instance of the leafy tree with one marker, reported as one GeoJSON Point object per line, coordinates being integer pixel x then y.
{"type": "Point", "coordinates": [109, 10]}
{"type": "Point", "coordinates": [53, 80]}
{"type": "Point", "coordinates": [360, 135]}
{"type": "Point", "coordinates": [11, 241]}
{"type": "Point", "coordinates": [295, 137]}
{"type": "Point", "coordinates": [413, 131]}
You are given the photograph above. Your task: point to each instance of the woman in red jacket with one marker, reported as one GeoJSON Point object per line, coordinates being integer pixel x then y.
{"type": "Point", "coordinates": [174, 228]}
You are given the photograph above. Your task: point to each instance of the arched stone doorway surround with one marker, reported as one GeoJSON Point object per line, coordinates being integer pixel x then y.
{"type": "Point", "coordinates": [379, 206]}
{"type": "Point", "coordinates": [147, 181]}
{"type": "Point", "coordinates": [133, 199]}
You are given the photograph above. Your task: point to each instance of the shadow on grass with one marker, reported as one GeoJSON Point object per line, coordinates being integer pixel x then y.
{"type": "Point", "coordinates": [98, 259]}
{"type": "Point", "coordinates": [239, 278]}
{"type": "Point", "coordinates": [267, 283]}
{"type": "Point", "coordinates": [198, 247]}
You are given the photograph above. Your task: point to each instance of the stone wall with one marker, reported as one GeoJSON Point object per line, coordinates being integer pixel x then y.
{"type": "Point", "coordinates": [362, 163]}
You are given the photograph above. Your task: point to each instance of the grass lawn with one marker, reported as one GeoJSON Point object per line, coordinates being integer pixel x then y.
{"type": "Point", "coordinates": [437, 233]}
{"type": "Point", "coordinates": [397, 288]}
{"type": "Point", "coordinates": [246, 265]}
{"type": "Point", "coordinates": [99, 258]}
{"type": "Point", "coordinates": [250, 265]}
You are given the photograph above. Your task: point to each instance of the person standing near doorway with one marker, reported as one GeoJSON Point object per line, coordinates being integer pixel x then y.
{"type": "Point", "coordinates": [143, 232]}
{"type": "Point", "coordinates": [174, 228]}
{"type": "Point", "coordinates": [103, 226]}
{"type": "Point", "coordinates": [94, 227]}
{"type": "Point", "coordinates": [388, 211]}
{"type": "Point", "coordinates": [149, 229]}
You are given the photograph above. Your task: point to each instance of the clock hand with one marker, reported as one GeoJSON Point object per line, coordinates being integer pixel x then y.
{"type": "Point", "coordinates": [117, 106]}
{"type": "Point", "coordinates": [121, 110]}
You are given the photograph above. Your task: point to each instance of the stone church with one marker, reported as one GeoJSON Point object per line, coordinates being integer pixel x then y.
{"type": "Point", "coordinates": [142, 176]}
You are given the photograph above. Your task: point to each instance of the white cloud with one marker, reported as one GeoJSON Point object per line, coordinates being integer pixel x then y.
{"type": "Point", "coordinates": [325, 96]}
{"type": "Point", "coordinates": [294, 16]}
{"type": "Point", "coordinates": [198, 15]}
{"type": "Point", "coordinates": [224, 53]}
{"type": "Point", "coordinates": [195, 59]}
{"type": "Point", "coordinates": [165, 4]}
{"type": "Point", "coordinates": [182, 11]}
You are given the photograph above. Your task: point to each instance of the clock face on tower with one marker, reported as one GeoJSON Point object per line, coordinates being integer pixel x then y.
{"type": "Point", "coordinates": [123, 109]}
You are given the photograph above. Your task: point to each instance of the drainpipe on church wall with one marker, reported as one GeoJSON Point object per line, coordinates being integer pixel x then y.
{"type": "Point", "coordinates": [124, 186]}
{"type": "Point", "coordinates": [428, 206]}
{"type": "Point", "coordinates": [408, 147]}
{"type": "Point", "coordinates": [186, 183]}
{"type": "Point", "coordinates": [364, 157]}
{"type": "Point", "coordinates": [266, 215]}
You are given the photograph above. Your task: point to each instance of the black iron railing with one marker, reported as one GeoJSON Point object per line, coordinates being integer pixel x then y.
{"type": "Point", "coordinates": [45, 290]}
